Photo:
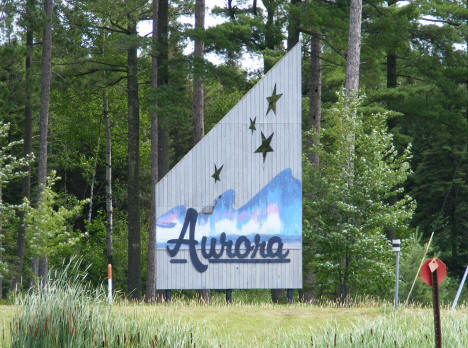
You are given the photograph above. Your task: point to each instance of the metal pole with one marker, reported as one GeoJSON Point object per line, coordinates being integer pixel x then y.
{"type": "Point", "coordinates": [228, 296]}
{"type": "Point", "coordinates": [290, 296]}
{"type": "Point", "coordinates": [109, 283]}
{"type": "Point", "coordinates": [460, 287]}
{"type": "Point", "coordinates": [436, 307]}
{"type": "Point", "coordinates": [167, 295]}
{"type": "Point", "coordinates": [397, 277]}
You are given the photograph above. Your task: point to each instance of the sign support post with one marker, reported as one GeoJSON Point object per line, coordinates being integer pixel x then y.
{"type": "Point", "coordinates": [290, 296]}
{"type": "Point", "coordinates": [460, 287]}
{"type": "Point", "coordinates": [167, 295]}
{"type": "Point", "coordinates": [228, 296]}
{"type": "Point", "coordinates": [436, 306]}
{"type": "Point", "coordinates": [396, 248]}
{"type": "Point", "coordinates": [432, 272]}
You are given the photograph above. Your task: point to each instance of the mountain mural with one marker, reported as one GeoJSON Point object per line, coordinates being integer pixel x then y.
{"type": "Point", "coordinates": [274, 211]}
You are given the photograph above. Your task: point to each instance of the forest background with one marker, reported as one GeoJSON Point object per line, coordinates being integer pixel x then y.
{"type": "Point", "coordinates": [93, 114]}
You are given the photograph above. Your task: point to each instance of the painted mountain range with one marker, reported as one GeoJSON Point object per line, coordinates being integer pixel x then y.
{"type": "Point", "coordinates": [274, 211]}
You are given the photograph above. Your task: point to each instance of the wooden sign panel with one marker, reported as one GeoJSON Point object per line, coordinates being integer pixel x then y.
{"type": "Point", "coordinates": [230, 212]}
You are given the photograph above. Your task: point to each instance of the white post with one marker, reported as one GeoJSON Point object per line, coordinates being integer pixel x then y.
{"type": "Point", "coordinates": [396, 248]}
{"type": "Point", "coordinates": [109, 283]}
{"type": "Point", "coordinates": [460, 287]}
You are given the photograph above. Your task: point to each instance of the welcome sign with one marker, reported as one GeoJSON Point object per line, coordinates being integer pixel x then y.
{"type": "Point", "coordinates": [230, 212]}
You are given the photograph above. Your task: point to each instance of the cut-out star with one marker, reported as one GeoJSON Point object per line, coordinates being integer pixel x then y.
{"type": "Point", "coordinates": [252, 125]}
{"type": "Point", "coordinates": [216, 173]}
{"type": "Point", "coordinates": [265, 147]}
{"type": "Point", "coordinates": [272, 101]}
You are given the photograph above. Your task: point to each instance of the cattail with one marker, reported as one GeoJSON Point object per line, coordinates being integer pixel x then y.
{"type": "Point", "coordinates": [152, 343]}
{"type": "Point", "coordinates": [118, 339]}
{"type": "Point", "coordinates": [334, 343]}
{"type": "Point", "coordinates": [394, 343]}
{"type": "Point", "coordinates": [45, 326]}
{"type": "Point", "coordinates": [93, 334]}
{"type": "Point", "coordinates": [371, 332]}
{"type": "Point", "coordinates": [383, 338]}
{"type": "Point", "coordinates": [138, 337]}
{"type": "Point", "coordinates": [36, 331]}
{"type": "Point", "coordinates": [351, 338]}
{"type": "Point", "coordinates": [125, 339]}
{"type": "Point", "coordinates": [156, 338]}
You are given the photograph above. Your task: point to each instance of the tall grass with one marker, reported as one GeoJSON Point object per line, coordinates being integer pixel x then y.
{"type": "Point", "coordinates": [70, 314]}
{"type": "Point", "coordinates": [396, 329]}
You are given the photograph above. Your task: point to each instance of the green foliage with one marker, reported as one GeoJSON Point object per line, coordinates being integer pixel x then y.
{"type": "Point", "coordinates": [47, 224]}
{"type": "Point", "coordinates": [11, 167]}
{"type": "Point", "coordinates": [353, 200]}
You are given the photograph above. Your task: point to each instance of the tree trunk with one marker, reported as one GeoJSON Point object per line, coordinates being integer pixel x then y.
{"type": "Point", "coordinates": [198, 106]}
{"type": "Point", "coordinates": [109, 207]}
{"type": "Point", "coordinates": [354, 48]}
{"type": "Point", "coordinates": [351, 88]}
{"type": "Point", "coordinates": [27, 147]}
{"type": "Point", "coordinates": [1, 243]}
{"type": "Point", "coordinates": [93, 179]}
{"type": "Point", "coordinates": [163, 80]}
{"type": "Point", "coordinates": [293, 24]}
{"type": "Point", "coordinates": [315, 92]}
{"type": "Point", "coordinates": [198, 100]}
{"type": "Point", "coordinates": [44, 115]}
{"type": "Point", "coordinates": [151, 267]}
{"type": "Point", "coordinates": [269, 34]}
{"type": "Point", "coordinates": [391, 70]}
{"type": "Point", "coordinates": [134, 243]}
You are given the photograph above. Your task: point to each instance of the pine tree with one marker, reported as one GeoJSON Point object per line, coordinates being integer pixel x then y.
{"type": "Point", "coordinates": [347, 211]}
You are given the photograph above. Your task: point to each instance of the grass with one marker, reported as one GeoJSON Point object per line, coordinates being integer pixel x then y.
{"type": "Point", "coordinates": [267, 325]}
{"type": "Point", "coordinates": [241, 325]}
{"type": "Point", "coordinates": [68, 314]}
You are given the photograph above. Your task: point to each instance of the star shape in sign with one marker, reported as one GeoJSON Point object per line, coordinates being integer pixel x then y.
{"type": "Point", "coordinates": [216, 173]}
{"type": "Point", "coordinates": [272, 101]}
{"type": "Point", "coordinates": [265, 147]}
{"type": "Point", "coordinates": [252, 125]}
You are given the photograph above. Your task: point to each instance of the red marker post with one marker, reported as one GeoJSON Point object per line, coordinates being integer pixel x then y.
{"type": "Point", "coordinates": [432, 272]}
{"type": "Point", "coordinates": [109, 283]}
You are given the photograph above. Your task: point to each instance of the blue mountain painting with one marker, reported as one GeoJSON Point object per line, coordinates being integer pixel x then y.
{"type": "Point", "coordinates": [276, 210]}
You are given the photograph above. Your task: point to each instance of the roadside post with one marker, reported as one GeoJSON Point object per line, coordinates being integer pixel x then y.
{"type": "Point", "coordinates": [432, 272]}
{"type": "Point", "coordinates": [460, 287]}
{"type": "Point", "coordinates": [109, 283]}
{"type": "Point", "coordinates": [396, 249]}
{"type": "Point", "coordinates": [228, 296]}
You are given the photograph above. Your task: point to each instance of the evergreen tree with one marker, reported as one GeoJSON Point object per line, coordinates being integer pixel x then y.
{"type": "Point", "coordinates": [347, 211]}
